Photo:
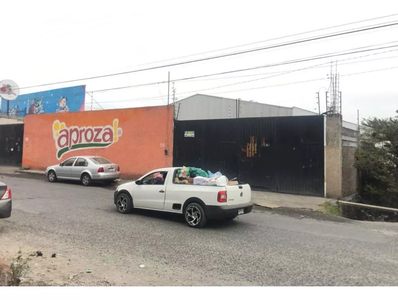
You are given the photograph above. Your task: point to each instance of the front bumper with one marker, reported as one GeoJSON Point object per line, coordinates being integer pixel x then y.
{"type": "Point", "coordinates": [5, 208]}
{"type": "Point", "coordinates": [224, 212]}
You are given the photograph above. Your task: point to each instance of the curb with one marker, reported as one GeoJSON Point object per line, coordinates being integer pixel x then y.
{"type": "Point", "coordinates": [270, 206]}
{"type": "Point", "coordinates": [30, 172]}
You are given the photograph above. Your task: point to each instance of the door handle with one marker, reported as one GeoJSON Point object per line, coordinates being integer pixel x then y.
{"type": "Point", "coordinates": [161, 191]}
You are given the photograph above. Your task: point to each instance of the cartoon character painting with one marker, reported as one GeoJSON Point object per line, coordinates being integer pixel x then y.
{"type": "Point", "coordinates": [36, 107]}
{"type": "Point", "coordinates": [62, 105]}
{"type": "Point", "coordinates": [6, 90]}
{"type": "Point", "coordinates": [32, 107]}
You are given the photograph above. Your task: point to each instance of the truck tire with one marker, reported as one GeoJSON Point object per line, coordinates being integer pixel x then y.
{"type": "Point", "coordinates": [195, 215]}
{"type": "Point", "coordinates": [124, 203]}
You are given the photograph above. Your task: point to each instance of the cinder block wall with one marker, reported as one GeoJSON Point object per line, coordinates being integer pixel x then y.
{"type": "Point", "coordinates": [333, 157]}
{"type": "Point", "coordinates": [349, 172]}
{"type": "Point", "coordinates": [350, 144]}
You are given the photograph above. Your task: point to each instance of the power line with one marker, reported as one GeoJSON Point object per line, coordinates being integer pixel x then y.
{"type": "Point", "coordinates": [226, 55]}
{"type": "Point", "coordinates": [322, 56]}
{"type": "Point", "coordinates": [340, 64]}
{"type": "Point", "coordinates": [328, 55]}
{"type": "Point", "coordinates": [255, 88]}
{"type": "Point", "coordinates": [269, 40]}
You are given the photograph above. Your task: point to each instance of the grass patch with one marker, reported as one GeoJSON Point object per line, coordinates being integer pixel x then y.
{"type": "Point", "coordinates": [331, 209]}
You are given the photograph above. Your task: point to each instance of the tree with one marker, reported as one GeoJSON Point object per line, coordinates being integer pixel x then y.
{"type": "Point", "coordinates": [377, 160]}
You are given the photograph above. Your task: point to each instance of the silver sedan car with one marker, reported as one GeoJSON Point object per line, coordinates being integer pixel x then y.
{"type": "Point", "coordinates": [85, 169]}
{"type": "Point", "coordinates": [5, 201]}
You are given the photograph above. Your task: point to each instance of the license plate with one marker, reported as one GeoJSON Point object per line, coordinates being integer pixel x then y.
{"type": "Point", "coordinates": [111, 170]}
{"type": "Point", "coordinates": [241, 211]}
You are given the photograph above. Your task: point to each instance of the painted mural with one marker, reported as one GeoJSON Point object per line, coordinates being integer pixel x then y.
{"type": "Point", "coordinates": [70, 99]}
{"type": "Point", "coordinates": [137, 139]}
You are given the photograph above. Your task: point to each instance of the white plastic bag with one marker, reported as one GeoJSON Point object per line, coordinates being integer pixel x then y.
{"type": "Point", "coordinates": [222, 181]}
{"type": "Point", "coordinates": [218, 181]}
{"type": "Point", "coordinates": [199, 180]}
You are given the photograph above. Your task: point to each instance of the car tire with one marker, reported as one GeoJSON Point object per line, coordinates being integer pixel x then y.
{"type": "Point", "coordinates": [51, 176]}
{"type": "Point", "coordinates": [86, 179]}
{"type": "Point", "coordinates": [195, 215]}
{"type": "Point", "coordinates": [124, 203]}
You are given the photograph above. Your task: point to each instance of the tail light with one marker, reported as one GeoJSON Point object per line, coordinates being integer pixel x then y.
{"type": "Point", "coordinates": [7, 195]}
{"type": "Point", "coordinates": [118, 168]}
{"type": "Point", "coordinates": [100, 169]}
{"type": "Point", "coordinates": [222, 196]}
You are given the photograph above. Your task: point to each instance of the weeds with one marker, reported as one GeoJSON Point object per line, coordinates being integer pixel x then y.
{"type": "Point", "coordinates": [329, 208]}
{"type": "Point", "coordinates": [19, 268]}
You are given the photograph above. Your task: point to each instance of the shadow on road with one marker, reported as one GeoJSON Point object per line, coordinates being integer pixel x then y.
{"type": "Point", "coordinates": [177, 218]}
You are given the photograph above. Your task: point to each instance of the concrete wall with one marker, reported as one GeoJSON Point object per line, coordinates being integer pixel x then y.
{"type": "Point", "coordinates": [135, 138]}
{"type": "Point", "coordinates": [10, 120]}
{"type": "Point", "coordinates": [350, 137]}
{"type": "Point", "coordinates": [349, 172]}
{"type": "Point", "coordinates": [333, 157]}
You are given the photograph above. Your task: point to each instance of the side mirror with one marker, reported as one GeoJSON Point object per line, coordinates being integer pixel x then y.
{"type": "Point", "coordinates": [138, 182]}
{"type": "Point", "coordinates": [61, 164]}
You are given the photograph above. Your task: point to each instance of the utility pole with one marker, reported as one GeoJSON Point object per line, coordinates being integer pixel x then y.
{"type": "Point", "coordinates": [319, 103]}
{"type": "Point", "coordinates": [168, 88]}
{"type": "Point", "coordinates": [174, 92]}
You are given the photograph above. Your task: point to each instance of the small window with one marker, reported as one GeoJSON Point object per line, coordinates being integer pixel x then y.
{"type": "Point", "coordinates": [155, 178]}
{"type": "Point", "coordinates": [69, 162]}
{"type": "Point", "coordinates": [100, 160]}
{"type": "Point", "coordinates": [81, 162]}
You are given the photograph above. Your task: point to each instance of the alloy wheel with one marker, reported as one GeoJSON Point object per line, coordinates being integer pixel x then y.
{"type": "Point", "coordinates": [193, 215]}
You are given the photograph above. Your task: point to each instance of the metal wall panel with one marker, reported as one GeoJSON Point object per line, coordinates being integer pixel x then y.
{"type": "Point", "coordinates": [11, 141]}
{"type": "Point", "coordinates": [281, 154]}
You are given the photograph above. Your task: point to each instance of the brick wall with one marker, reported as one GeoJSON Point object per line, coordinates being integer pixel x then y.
{"type": "Point", "coordinates": [133, 138]}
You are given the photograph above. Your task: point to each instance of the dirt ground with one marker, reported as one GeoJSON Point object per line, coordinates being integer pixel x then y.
{"type": "Point", "coordinates": [69, 267]}
{"type": "Point", "coordinates": [61, 270]}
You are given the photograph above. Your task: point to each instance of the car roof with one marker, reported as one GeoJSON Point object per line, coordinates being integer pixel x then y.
{"type": "Point", "coordinates": [168, 169]}
{"type": "Point", "coordinates": [87, 156]}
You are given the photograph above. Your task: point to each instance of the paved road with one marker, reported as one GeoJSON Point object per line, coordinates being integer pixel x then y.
{"type": "Point", "coordinates": [262, 248]}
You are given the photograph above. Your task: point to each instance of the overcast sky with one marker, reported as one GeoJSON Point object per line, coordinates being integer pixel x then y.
{"type": "Point", "coordinates": [52, 41]}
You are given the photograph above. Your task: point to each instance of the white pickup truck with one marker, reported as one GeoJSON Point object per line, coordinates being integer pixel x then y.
{"type": "Point", "coordinates": [159, 190]}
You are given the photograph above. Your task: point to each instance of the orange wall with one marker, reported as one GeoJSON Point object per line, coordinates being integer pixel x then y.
{"type": "Point", "coordinates": [145, 134]}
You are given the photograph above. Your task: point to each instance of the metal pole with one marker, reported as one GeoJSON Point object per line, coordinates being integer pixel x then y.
{"type": "Point", "coordinates": [168, 89]}
{"type": "Point", "coordinates": [8, 107]}
{"type": "Point", "coordinates": [341, 104]}
{"type": "Point", "coordinates": [326, 100]}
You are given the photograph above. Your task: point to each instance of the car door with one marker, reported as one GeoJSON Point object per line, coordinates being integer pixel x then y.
{"type": "Point", "coordinates": [65, 168]}
{"type": "Point", "coordinates": [151, 193]}
{"type": "Point", "coordinates": [78, 167]}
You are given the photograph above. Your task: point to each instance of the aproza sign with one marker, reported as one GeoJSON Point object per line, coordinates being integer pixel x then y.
{"type": "Point", "coordinates": [74, 138]}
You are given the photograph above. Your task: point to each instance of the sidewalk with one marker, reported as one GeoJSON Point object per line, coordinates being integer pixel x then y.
{"type": "Point", "coordinates": [13, 170]}
{"type": "Point", "coordinates": [260, 198]}
{"type": "Point", "coordinates": [275, 200]}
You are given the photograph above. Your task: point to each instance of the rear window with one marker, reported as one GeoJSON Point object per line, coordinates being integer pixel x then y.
{"type": "Point", "coordinates": [100, 160]}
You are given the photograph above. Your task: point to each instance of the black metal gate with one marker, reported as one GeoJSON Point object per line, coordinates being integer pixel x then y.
{"type": "Point", "coordinates": [281, 154]}
{"type": "Point", "coordinates": [11, 141]}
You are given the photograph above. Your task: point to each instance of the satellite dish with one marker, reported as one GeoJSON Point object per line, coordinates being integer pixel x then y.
{"type": "Point", "coordinates": [9, 90]}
